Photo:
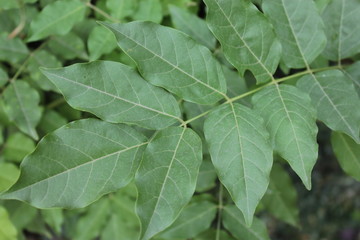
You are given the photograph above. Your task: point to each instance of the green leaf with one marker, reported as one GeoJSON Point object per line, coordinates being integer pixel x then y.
{"type": "Point", "coordinates": [166, 179]}
{"type": "Point", "coordinates": [149, 11]}
{"type": "Point", "coordinates": [89, 226]}
{"type": "Point", "coordinates": [69, 46]}
{"type": "Point", "coordinates": [192, 25]}
{"type": "Point", "coordinates": [101, 41]}
{"type": "Point", "coordinates": [193, 220]}
{"type": "Point", "coordinates": [21, 214]}
{"type": "Point", "coordinates": [17, 147]}
{"type": "Point", "coordinates": [115, 93]}
{"type": "Point", "coordinates": [234, 221]}
{"type": "Point", "coordinates": [66, 172]}
{"type": "Point", "coordinates": [6, 4]}
{"type": "Point", "coordinates": [121, 8]}
{"type": "Point", "coordinates": [51, 120]}
{"type": "Point", "coordinates": [3, 77]}
{"type": "Point", "coordinates": [241, 153]}
{"type": "Point", "coordinates": [335, 99]}
{"type": "Point", "coordinates": [7, 230]}
{"type": "Point", "coordinates": [341, 20]}
{"type": "Point", "coordinates": [53, 218]}
{"type": "Point", "coordinates": [57, 19]}
{"type": "Point", "coordinates": [353, 72]}
{"type": "Point", "coordinates": [291, 121]}
{"type": "Point", "coordinates": [281, 197]}
{"type": "Point", "coordinates": [211, 233]}
{"type": "Point", "coordinates": [12, 50]}
{"type": "Point", "coordinates": [246, 36]}
{"type": "Point", "coordinates": [171, 59]}
{"type": "Point", "coordinates": [295, 23]}
{"type": "Point", "coordinates": [207, 175]}
{"type": "Point", "coordinates": [236, 85]}
{"type": "Point", "coordinates": [42, 58]}
{"type": "Point", "coordinates": [9, 173]}
{"type": "Point", "coordinates": [348, 154]}
{"type": "Point", "coordinates": [21, 106]}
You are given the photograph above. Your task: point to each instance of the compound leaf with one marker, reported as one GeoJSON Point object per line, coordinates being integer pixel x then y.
{"type": "Point", "coordinates": [57, 18]}
{"type": "Point", "coordinates": [166, 179]}
{"type": "Point", "coordinates": [234, 221]}
{"type": "Point", "coordinates": [341, 20]}
{"type": "Point", "coordinates": [295, 23]}
{"type": "Point", "coordinates": [347, 152]}
{"type": "Point", "coordinates": [336, 100]}
{"type": "Point", "coordinates": [171, 59]}
{"type": "Point", "coordinates": [241, 153]}
{"type": "Point", "coordinates": [193, 220]}
{"type": "Point", "coordinates": [291, 121]}
{"type": "Point", "coordinates": [66, 172]}
{"type": "Point", "coordinates": [246, 36]}
{"type": "Point", "coordinates": [21, 106]}
{"type": "Point", "coordinates": [115, 93]}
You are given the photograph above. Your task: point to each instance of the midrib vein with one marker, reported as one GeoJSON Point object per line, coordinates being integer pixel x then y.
{"type": "Point", "coordinates": [114, 96]}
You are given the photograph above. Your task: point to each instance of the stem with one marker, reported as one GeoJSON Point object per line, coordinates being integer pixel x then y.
{"type": "Point", "coordinates": [101, 12]}
{"type": "Point", "coordinates": [218, 224]}
{"type": "Point", "coordinates": [55, 103]}
{"type": "Point", "coordinates": [22, 23]}
{"type": "Point", "coordinates": [274, 81]}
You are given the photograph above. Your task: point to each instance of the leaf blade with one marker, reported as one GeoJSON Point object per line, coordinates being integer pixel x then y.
{"type": "Point", "coordinates": [121, 95]}
{"type": "Point", "coordinates": [64, 172]}
{"type": "Point", "coordinates": [174, 153]}
{"type": "Point", "coordinates": [163, 55]}
{"type": "Point", "coordinates": [236, 157]}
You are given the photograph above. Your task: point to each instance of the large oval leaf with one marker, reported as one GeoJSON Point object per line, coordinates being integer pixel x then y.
{"type": "Point", "coordinates": [171, 59]}
{"type": "Point", "coordinates": [78, 163]}
{"type": "Point", "coordinates": [115, 93]}
{"type": "Point", "coordinates": [336, 101]}
{"type": "Point", "coordinates": [291, 121]}
{"type": "Point", "coordinates": [341, 20]}
{"type": "Point", "coordinates": [57, 18]}
{"type": "Point", "coordinates": [166, 179]}
{"type": "Point", "coordinates": [241, 153]}
{"type": "Point", "coordinates": [348, 154]}
{"type": "Point", "coordinates": [295, 23]}
{"type": "Point", "coordinates": [246, 36]}
{"type": "Point", "coordinates": [22, 107]}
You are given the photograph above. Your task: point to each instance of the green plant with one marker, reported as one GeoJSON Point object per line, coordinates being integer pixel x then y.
{"type": "Point", "coordinates": [282, 66]}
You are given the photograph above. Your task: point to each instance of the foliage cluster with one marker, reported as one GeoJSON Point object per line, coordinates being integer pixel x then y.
{"type": "Point", "coordinates": [158, 124]}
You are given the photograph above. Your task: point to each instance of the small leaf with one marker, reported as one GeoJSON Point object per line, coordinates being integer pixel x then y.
{"type": "Point", "coordinates": [281, 197]}
{"type": "Point", "coordinates": [51, 120]}
{"type": "Point", "coordinates": [57, 18]}
{"type": "Point", "coordinates": [192, 25]}
{"type": "Point", "coordinates": [12, 50]}
{"type": "Point", "coordinates": [348, 154]}
{"type": "Point", "coordinates": [66, 172]}
{"type": "Point", "coordinates": [233, 220]}
{"type": "Point", "coordinates": [101, 41]}
{"type": "Point", "coordinates": [335, 99]}
{"type": "Point", "coordinates": [341, 20]}
{"type": "Point", "coordinates": [246, 36]}
{"type": "Point", "coordinates": [172, 60]}
{"type": "Point", "coordinates": [295, 23]}
{"type": "Point", "coordinates": [115, 93]}
{"type": "Point", "coordinates": [166, 179]}
{"type": "Point", "coordinates": [353, 72]}
{"type": "Point", "coordinates": [193, 220]}
{"type": "Point", "coordinates": [291, 121]}
{"type": "Point", "coordinates": [207, 176]}
{"type": "Point", "coordinates": [241, 153]}
{"type": "Point", "coordinates": [149, 11]}
{"type": "Point", "coordinates": [89, 226]}
{"type": "Point", "coordinates": [7, 230]}
{"type": "Point", "coordinates": [121, 8]}
{"type": "Point", "coordinates": [3, 77]}
{"type": "Point", "coordinates": [53, 218]}
{"type": "Point", "coordinates": [17, 146]}
{"type": "Point", "coordinates": [21, 106]}
{"type": "Point", "coordinates": [9, 173]}
{"type": "Point", "coordinates": [69, 46]}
